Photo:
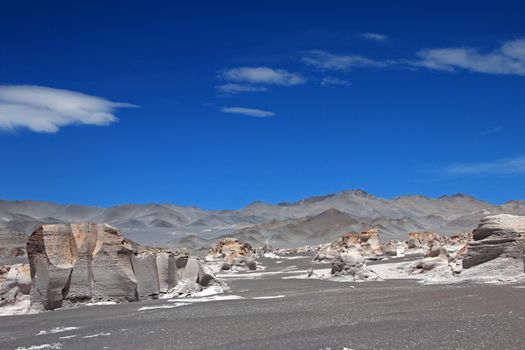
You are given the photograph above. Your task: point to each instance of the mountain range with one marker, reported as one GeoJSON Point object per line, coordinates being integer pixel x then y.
{"type": "Point", "coordinates": [311, 220]}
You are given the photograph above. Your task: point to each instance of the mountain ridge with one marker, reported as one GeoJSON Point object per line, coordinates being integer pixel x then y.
{"type": "Point", "coordinates": [155, 223]}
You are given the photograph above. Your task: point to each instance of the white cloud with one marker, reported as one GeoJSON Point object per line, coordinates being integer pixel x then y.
{"type": "Point", "coordinates": [332, 81]}
{"type": "Point", "coordinates": [262, 75]}
{"type": "Point", "coordinates": [252, 112]}
{"type": "Point", "coordinates": [233, 88]}
{"type": "Point", "coordinates": [43, 109]}
{"type": "Point", "coordinates": [324, 60]}
{"type": "Point", "coordinates": [373, 36]}
{"type": "Point", "coordinates": [508, 59]}
{"type": "Point", "coordinates": [506, 166]}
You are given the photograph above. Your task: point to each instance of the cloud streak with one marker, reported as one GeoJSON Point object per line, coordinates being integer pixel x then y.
{"type": "Point", "coordinates": [233, 88]}
{"type": "Point", "coordinates": [506, 166]}
{"type": "Point", "coordinates": [333, 81]}
{"type": "Point", "coordinates": [508, 59]}
{"type": "Point", "coordinates": [263, 76]}
{"type": "Point", "coordinates": [46, 110]}
{"type": "Point", "coordinates": [373, 36]}
{"type": "Point", "coordinates": [251, 112]}
{"type": "Point", "coordinates": [326, 61]}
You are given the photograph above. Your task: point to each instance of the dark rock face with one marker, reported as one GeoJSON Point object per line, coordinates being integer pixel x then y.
{"type": "Point", "coordinates": [92, 262]}
{"type": "Point", "coordinates": [498, 245]}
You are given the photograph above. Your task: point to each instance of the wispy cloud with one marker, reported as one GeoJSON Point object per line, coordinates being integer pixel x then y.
{"type": "Point", "coordinates": [251, 112]}
{"type": "Point", "coordinates": [262, 76]}
{"type": "Point", "coordinates": [326, 61]}
{"type": "Point", "coordinates": [508, 59]}
{"type": "Point", "coordinates": [46, 110]}
{"type": "Point", "coordinates": [333, 81]}
{"type": "Point", "coordinates": [491, 130]}
{"type": "Point", "coordinates": [373, 36]}
{"type": "Point", "coordinates": [506, 166]}
{"type": "Point", "coordinates": [233, 88]}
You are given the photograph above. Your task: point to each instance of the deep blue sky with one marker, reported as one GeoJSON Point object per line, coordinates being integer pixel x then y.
{"type": "Point", "coordinates": [392, 126]}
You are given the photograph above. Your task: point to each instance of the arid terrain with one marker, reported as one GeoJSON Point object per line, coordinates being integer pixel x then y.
{"type": "Point", "coordinates": [328, 283]}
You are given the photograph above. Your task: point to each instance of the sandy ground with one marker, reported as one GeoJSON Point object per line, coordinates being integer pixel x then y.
{"type": "Point", "coordinates": [268, 311]}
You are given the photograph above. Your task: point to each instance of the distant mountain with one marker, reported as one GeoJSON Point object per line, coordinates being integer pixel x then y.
{"type": "Point", "coordinates": [310, 220]}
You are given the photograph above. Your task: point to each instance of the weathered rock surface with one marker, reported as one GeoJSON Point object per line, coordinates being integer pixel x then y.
{"type": "Point", "coordinates": [93, 262]}
{"type": "Point", "coordinates": [12, 243]}
{"type": "Point", "coordinates": [230, 253]}
{"type": "Point", "coordinates": [395, 248]}
{"type": "Point", "coordinates": [366, 243]}
{"type": "Point", "coordinates": [15, 283]}
{"type": "Point", "coordinates": [422, 241]}
{"type": "Point", "coordinates": [494, 254]}
{"type": "Point", "coordinates": [435, 259]}
{"type": "Point", "coordinates": [497, 247]}
{"type": "Point", "coordinates": [351, 266]}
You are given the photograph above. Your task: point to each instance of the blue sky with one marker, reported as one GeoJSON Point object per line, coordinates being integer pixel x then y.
{"type": "Point", "coordinates": [218, 104]}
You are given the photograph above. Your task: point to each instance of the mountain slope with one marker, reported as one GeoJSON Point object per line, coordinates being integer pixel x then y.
{"type": "Point", "coordinates": [310, 220]}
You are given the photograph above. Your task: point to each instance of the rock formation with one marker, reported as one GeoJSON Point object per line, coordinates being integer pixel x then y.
{"type": "Point", "coordinates": [15, 284]}
{"type": "Point", "coordinates": [495, 253]}
{"type": "Point", "coordinates": [395, 248]}
{"type": "Point", "coordinates": [230, 253]}
{"type": "Point", "coordinates": [422, 241]}
{"type": "Point", "coordinates": [91, 262]}
{"type": "Point", "coordinates": [366, 243]}
{"type": "Point", "coordinates": [434, 259]}
{"type": "Point", "coordinates": [351, 266]}
{"type": "Point", "coordinates": [497, 247]}
{"type": "Point", "coordinates": [12, 243]}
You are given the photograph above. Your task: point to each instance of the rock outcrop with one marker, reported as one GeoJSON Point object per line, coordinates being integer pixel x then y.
{"type": "Point", "coordinates": [395, 249]}
{"type": "Point", "coordinates": [497, 247]}
{"type": "Point", "coordinates": [366, 243]}
{"type": "Point", "coordinates": [494, 254]}
{"type": "Point", "coordinates": [422, 241]}
{"type": "Point", "coordinates": [435, 259]}
{"type": "Point", "coordinates": [230, 253]}
{"type": "Point", "coordinates": [351, 266]}
{"type": "Point", "coordinates": [92, 262]}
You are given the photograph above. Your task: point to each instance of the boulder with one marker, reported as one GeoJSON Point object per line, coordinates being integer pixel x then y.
{"type": "Point", "coordinates": [351, 266]}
